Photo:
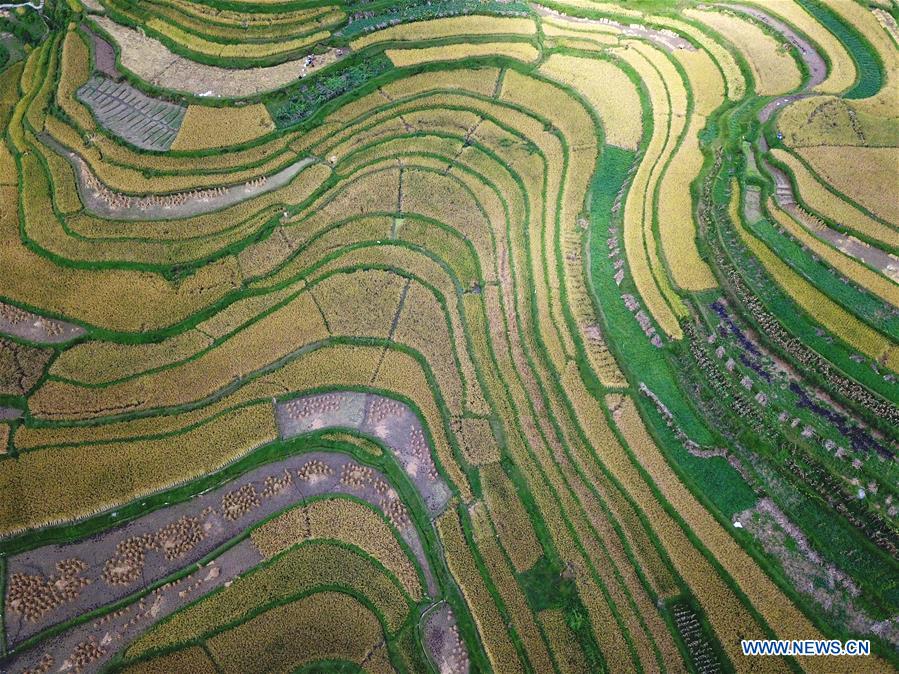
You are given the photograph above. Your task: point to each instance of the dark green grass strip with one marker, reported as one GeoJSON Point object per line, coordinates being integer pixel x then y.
{"type": "Point", "coordinates": [867, 63]}
{"type": "Point", "coordinates": [419, 10]}
{"type": "Point", "coordinates": [865, 306]}
{"type": "Point", "coordinates": [798, 322]}
{"type": "Point", "coordinates": [714, 477]}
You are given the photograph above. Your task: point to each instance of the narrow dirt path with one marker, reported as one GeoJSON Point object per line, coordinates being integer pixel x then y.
{"type": "Point", "coordinates": [783, 194]}
{"type": "Point", "coordinates": [813, 60]}
{"type": "Point", "coordinates": [199, 526]}
{"type": "Point", "coordinates": [34, 328]}
{"type": "Point", "coordinates": [667, 39]}
{"type": "Point", "coordinates": [100, 200]}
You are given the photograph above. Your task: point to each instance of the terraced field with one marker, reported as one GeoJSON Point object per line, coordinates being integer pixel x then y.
{"type": "Point", "coordinates": [456, 336]}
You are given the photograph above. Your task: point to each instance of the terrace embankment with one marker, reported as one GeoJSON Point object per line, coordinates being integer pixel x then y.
{"type": "Point", "coordinates": [816, 64]}
{"type": "Point", "coordinates": [186, 540]}
{"type": "Point", "coordinates": [34, 328]}
{"type": "Point", "coordinates": [783, 194]}
{"type": "Point", "coordinates": [208, 523]}
{"type": "Point", "coordinates": [104, 202]}
{"type": "Point", "coordinates": [150, 60]}
{"type": "Point", "coordinates": [667, 39]}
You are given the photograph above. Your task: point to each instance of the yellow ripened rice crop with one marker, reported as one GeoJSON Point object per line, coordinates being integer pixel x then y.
{"type": "Point", "coordinates": [733, 76]}
{"type": "Point", "coordinates": [883, 103]}
{"type": "Point", "coordinates": [191, 659]}
{"type": "Point", "coordinates": [864, 174]}
{"type": "Point", "coordinates": [842, 73]}
{"type": "Point", "coordinates": [234, 50]}
{"type": "Point", "coordinates": [207, 127]}
{"type": "Point", "coordinates": [447, 27]}
{"type": "Point", "coordinates": [323, 626]}
{"type": "Point", "coordinates": [639, 242]}
{"type": "Point", "coordinates": [490, 623]}
{"type": "Point", "coordinates": [520, 51]}
{"type": "Point", "coordinates": [70, 483]}
{"type": "Point", "coordinates": [306, 566]}
{"type": "Point", "coordinates": [864, 276]}
{"type": "Point", "coordinates": [719, 600]}
{"type": "Point", "coordinates": [344, 520]}
{"type": "Point", "coordinates": [825, 311]}
{"type": "Point", "coordinates": [607, 89]}
{"type": "Point", "coordinates": [512, 522]}
{"type": "Point", "coordinates": [824, 202]}
{"type": "Point", "coordinates": [828, 120]}
{"type": "Point", "coordinates": [774, 70]}
{"type": "Point", "coordinates": [677, 224]}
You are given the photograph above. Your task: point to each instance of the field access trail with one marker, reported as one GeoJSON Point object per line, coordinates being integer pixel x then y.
{"type": "Point", "coordinates": [202, 544]}
{"type": "Point", "coordinates": [783, 194]}
{"type": "Point", "coordinates": [666, 39]}
{"type": "Point", "coordinates": [106, 203]}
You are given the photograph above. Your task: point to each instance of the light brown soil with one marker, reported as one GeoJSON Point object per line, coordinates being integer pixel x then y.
{"type": "Point", "coordinates": [34, 328]}
{"type": "Point", "coordinates": [101, 553]}
{"type": "Point", "coordinates": [440, 636]}
{"type": "Point", "coordinates": [152, 62]}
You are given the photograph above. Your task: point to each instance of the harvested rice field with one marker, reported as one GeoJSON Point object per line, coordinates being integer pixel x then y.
{"type": "Point", "coordinates": [449, 337]}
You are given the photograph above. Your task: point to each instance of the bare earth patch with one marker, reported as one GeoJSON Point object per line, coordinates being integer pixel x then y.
{"type": "Point", "coordinates": [34, 328]}
{"type": "Point", "coordinates": [442, 641]}
{"type": "Point", "coordinates": [153, 62]}
{"type": "Point", "coordinates": [389, 420]}
{"type": "Point", "coordinates": [10, 413]}
{"type": "Point", "coordinates": [104, 55]}
{"type": "Point", "coordinates": [831, 589]}
{"type": "Point", "coordinates": [117, 563]}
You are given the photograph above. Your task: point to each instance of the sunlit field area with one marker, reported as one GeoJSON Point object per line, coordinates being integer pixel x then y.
{"type": "Point", "coordinates": [448, 336]}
